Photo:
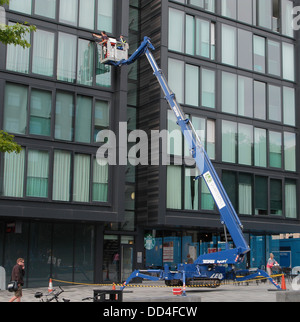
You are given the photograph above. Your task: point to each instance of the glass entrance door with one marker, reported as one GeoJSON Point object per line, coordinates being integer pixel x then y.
{"type": "Point", "coordinates": [126, 262]}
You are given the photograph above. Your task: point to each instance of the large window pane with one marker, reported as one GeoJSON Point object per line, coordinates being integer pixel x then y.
{"type": "Point", "coordinates": [100, 181]}
{"type": "Point", "coordinates": [15, 109]}
{"type": "Point", "coordinates": [176, 30]}
{"type": "Point", "coordinates": [208, 88]}
{"type": "Point", "coordinates": [13, 174]}
{"type": "Point", "coordinates": [17, 58]}
{"type": "Point", "coordinates": [85, 62]}
{"type": "Point", "coordinates": [202, 38]}
{"type": "Point", "coordinates": [229, 46]}
{"type": "Point", "coordinates": [87, 14]}
{"type": "Point", "coordinates": [176, 78]}
{"type": "Point", "coordinates": [83, 125]}
{"type": "Point", "coordinates": [274, 61]}
{"type": "Point", "coordinates": [261, 195]}
{"type": "Point", "coordinates": [191, 190]}
{"type": "Point", "coordinates": [66, 58]}
{"type": "Point", "coordinates": [245, 49]}
{"type": "Point", "coordinates": [229, 134]}
{"type": "Point", "coordinates": [275, 143]}
{"type": "Point", "coordinates": [290, 199]}
{"type": "Point", "coordinates": [260, 98]}
{"type": "Point", "coordinates": [275, 103]}
{"type": "Point", "coordinates": [68, 11]}
{"type": "Point", "coordinates": [289, 106]}
{"type": "Point", "coordinates": [46, 8]}
{"type": "Point", "coordinates": [245, 96]}
{"type": "Point", "coordinates": [276, 197]}
{"type": "Point", "coordinates": [105, 15]}
{"type": "Point", "coordinates": [259, 48]}
{"type": "Point", "coordinates": [61, 175]}
{"type": "Point", "coordinates": [192, 85]}
{"type": "Point", "coordinates": [229, 93]}
{"type": "Point", "coordinates": [175, 136]}
{"type": "Point", "coordinates": [260, 147]}
{"type": "Point", "coordinates": [37, 174]}
{"type": "Point", "coordinates": [245, 10]}
{"type": "Point", "coordinates": [174, 187]}
{"type": "Point", "coordinates": [287, 16]}
{"type": "Point", "coordinates": [229, 182]}
{"type": "Point", "coordinates": [289, 151]}
{"type": "Point", "coordinates": [245, 143]}
{"type": "Point", "coordinates": [229, 8]}
{"type": "Point", "coordinates": [43, 53]}
{"type": "Point", "coordinates": [64, 114]}
{"type": "Point", "coordinates": [190, 35]}
{"type": "Point", "coordinates": [40, 112]}
{"type": "Point", "coordinates": [288, 61]}
{"type": "Point", "coordinates": [245, 194]}
{"type": "Point", "coordinates": [81, 183]}
{"type": "Point", "coordinates": [264, 9]}
{"type": "Point", "coordinates": [20, 5]}
{"type": "Point", "coordinates": [101, 117]}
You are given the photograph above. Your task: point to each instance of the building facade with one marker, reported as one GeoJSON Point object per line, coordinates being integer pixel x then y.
{"type": "Point", "coordinates": [234, 70]}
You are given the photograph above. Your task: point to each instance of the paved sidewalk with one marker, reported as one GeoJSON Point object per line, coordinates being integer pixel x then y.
{"type": "Point", "coordinates": [225, 293]}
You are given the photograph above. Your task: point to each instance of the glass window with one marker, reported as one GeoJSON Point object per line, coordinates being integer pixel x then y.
{"type": "Point", "coordinates": [176, 78]}
{"type": "Point", "coordinates": [229, 8]}
{"type": "Point", "coordinates": [289, 113]}
{"type": "Point", "coordinates": [245, 96]}
{"type": "Point", "coordinates": [211, 139]}
{"type": "Point", "coordinates": [189, 35]}
{"type": "Point", "coordinates": [287, 17]}
{"type": "Point", "coordinates": [290, 199]}
{"type": "Point", "coordinates": [43, 53]}
{"type": "Point", "coordinates": [175, 136]}
{"type": "Point", "coordinates": [274, 61]}
{"type": "Point", "coordinates": [191, 190]}
{"type": "Point", "coordinates": [275, 197]}
{"type": "Point", "coordinates": [176, 30]}
{"type": "Point", "coordinates": [245, 10]}
{"type": "Point", "coordinates": [230, 185]}
{"type": "Point", "coordinates": [207, 200]}
{"type": "Point", "coordinates": [208, 88]}
{"type": "Point", "coordinates": [81, 182]}
{"type": "Point", "coordinates": [192, 85]}
{"type": "Point", "coordinates": [260, 100]}
{"type": "Point", "coordinates": [15, 109]}
{"type": "Point", "coordinates": [61, 175]}
{"type": "Point", "coordinates": [229, 93]}
{"type": "Point", "coordinates": [260, 147]}
{"type": "Point", "coordinates": [259, 49]}
{"type": "Point", "coordinates": [245, 194]}
{"type": "Point", "coordinates": [46, 8]}
{"type": "Point", "coordinates": [245, 143]}
{"type": "Point", "coordinates": [288, 61]}
{"type": "Point", "coordinates": [290, 151]}
{"type": "Point", "coordinates": [203, 38]}
{"type": "Point", "coordinates": [87, 14]}
{"type": "Point", "coordinates": [85, 62]}
{"type": "Point", "coordinates": [265, 13]}
{"type": "Point", "coordinates": [83, 122]}
{"type": "Point", "coordinates": [66, 58]}
{"type": "Point", "coordinates": [261, 195]}
{"type": "Point", "coordinates": [13, 174]}
{"type": "Point", "coordinates": [20, 6]}
{"type": "Point", "coordinates": [174, 187]}
{"type": "Point", "coordinates": [229, 46]}
{"type": "Point", "coordinates": [105, 15]}
{"type": "Point", "coordinates": [229, 134]}
{"type": "Point", "coordinates": [101, 117]}
{"type": "Point", "coordinates": [68, 12]}
{"type": "Point", "coordinates": [100, 181]}
{"type": "Point", "coordinates": [245, 49]}
{"type": "Point", "coordinates": [275, 103]}
{"type": "Point", "coordinates": [275, 146]}
{"type": "Point", "coordinates": [40, 112]}
{"type": "Point", "coordinates": [37, 174]}
{"type": "Point", "coordinates": [64, 114]}
{"type": "Point", "coordinates": [17, 58]}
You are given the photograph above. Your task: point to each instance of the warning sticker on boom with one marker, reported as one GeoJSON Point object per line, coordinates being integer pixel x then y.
{"type": "Point", "coordinates": [214, 190]}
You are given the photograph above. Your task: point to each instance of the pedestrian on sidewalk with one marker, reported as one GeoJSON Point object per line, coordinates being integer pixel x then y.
{"type": "Point", "coordinates": [271, 263]}
{"type": "Point", "coordinates": [18, 273]}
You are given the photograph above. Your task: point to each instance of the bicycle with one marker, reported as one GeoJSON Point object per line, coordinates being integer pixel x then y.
{"type": "Point", "coordinates": [54, 295]}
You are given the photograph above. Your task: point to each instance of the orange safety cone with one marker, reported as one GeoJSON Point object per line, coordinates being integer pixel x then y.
{"type": "Point", "coordinates": [50, 287]}
{"type": "Point", "coordinates": [114, 288]}
{"type": "Point", "coordinates": [283, 286]}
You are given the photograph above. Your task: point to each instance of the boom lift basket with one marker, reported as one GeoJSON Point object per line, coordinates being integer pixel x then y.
{"type": "Point", "coordinates": [113, 51]}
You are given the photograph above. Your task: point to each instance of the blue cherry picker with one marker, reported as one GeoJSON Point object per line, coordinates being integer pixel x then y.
{"type": "Point", "coordinates": [208, 270]}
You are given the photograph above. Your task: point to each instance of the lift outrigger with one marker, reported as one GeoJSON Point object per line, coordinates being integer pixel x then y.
{"type": "Point", "coordinates": [208, 270]}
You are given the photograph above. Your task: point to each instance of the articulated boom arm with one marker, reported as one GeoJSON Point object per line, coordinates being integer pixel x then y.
{"type": "Point", "coordinates": [207, 171]}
